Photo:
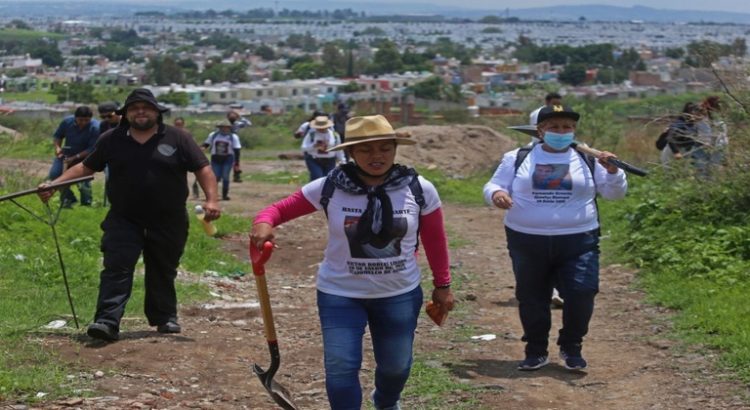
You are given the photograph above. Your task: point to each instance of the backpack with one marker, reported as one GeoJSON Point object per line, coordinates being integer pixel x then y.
{"type": "Point", "coordinates": [590, 161]}
{"type": "Point", "coordinates": [663, 139]}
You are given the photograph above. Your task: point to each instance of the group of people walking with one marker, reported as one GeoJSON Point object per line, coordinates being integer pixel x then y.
{"type": "Point", "coordinates": [378, 214]}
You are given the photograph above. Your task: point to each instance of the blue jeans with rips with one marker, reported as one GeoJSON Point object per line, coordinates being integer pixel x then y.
{"type": "Point", "coordinates": [392, 323]}
{"type": "Point", "coordinates": [569, 262]}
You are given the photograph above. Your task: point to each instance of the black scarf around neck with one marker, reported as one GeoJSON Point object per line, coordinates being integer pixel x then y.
{"type": "Point", "coordinates": [377, 220]}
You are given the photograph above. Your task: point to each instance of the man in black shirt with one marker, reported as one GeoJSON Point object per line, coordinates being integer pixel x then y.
{"type": "Point", "coordinates": [148, 163]}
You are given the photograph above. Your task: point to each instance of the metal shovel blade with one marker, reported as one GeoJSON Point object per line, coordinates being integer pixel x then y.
{"type": "Point", "coordinates": [278, 393]}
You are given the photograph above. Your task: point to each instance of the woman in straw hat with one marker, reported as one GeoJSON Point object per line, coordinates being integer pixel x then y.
{"type": "Point", "coordinates": [369, 276]}
{"type": "Point", "coordinates": [319, 160]}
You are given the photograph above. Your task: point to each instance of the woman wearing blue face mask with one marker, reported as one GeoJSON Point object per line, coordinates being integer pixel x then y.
{"type": "Point", "coordinates": [552, 226]}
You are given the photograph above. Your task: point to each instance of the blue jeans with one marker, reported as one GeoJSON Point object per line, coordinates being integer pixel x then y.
{"type": "Point", "coordinates": [222, 169]}
{"type": "Point", "coordinates": [319, 167]}
{"type": "Point", "coordinates": [569, 262]}
{"type": "Point", "coordinates": [66, 195]}
{"type": "Point", "coordinates": [392, 322]}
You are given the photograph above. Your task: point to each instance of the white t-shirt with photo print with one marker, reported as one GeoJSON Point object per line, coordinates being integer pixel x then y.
{"type": "Point", "coordinates": [378, 269]}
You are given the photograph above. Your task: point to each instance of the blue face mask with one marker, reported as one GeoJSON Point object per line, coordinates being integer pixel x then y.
{"type": "Point", "coordinates": [558, 141]}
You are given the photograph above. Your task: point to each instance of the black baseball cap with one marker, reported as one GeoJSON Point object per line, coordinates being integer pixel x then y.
{"type": "Point", "coordinates": [141, 95]}
{"type": "Point", "coordinates": [107, 107]}
{"type": "Point", "coordinates": [557, 111]}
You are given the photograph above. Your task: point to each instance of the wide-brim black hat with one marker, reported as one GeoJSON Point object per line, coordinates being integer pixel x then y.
{"type": "Point", "coordinates": [557, 111]}
{"type": "Point", "coordinates": [141, 95]}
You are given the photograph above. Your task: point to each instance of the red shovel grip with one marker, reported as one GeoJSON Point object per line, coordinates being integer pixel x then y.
{"type": "Point", "coordinates": [260, 257]}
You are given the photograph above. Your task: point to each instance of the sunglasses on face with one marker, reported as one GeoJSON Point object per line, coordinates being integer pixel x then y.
{"type": "Point", "coordinates": [107, 116]}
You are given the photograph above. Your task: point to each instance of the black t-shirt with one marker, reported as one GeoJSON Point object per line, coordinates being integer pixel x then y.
{"type": "Point", "coordinates": [147, 181]}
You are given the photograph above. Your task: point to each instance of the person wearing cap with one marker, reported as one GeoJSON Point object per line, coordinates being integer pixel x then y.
{"type": "Point", "coordinates": [552, 232]}
{"type": "Point", "coordinates": [78, 133]}
{"type": "Point", "coordinates": [109, 116]}
{"type": "Point", "coordinates": [369, 276]}
{"type": "Point", "coordinates": [224, 146]}
{"type": "Point", "coordinates": [238, 122]}
{"type": "Point", "coordinates": [148, 163]}
{"type": "Point", "coordinates": [318, 158]}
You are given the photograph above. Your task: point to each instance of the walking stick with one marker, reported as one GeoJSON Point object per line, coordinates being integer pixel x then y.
{"type": "Point", "coordinates": [51, 220]}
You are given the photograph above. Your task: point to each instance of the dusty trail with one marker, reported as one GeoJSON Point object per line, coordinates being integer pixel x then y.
{"type": "Point", "coordinates": [633, 363]}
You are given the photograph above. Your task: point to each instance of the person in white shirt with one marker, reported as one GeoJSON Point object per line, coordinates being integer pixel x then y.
{"type": "Point", "coordinates": [224, 145]}
{"type": "Point", "coordinates": [369, 277]}
{"type": "Point", "coordinates": [552, 228]}
{"type": "Point", "coordinates": [315, 143]}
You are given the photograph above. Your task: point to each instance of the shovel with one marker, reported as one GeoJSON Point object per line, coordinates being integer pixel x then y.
{"type": "Point", "coordinates": [279, 394]}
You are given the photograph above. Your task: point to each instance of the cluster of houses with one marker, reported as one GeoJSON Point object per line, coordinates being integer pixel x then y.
{"type": "Point", "coordinates": [479, 81]}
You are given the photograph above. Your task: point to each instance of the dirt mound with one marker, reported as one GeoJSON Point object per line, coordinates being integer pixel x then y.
{"type": "Point", "coordinates": [458, 150]}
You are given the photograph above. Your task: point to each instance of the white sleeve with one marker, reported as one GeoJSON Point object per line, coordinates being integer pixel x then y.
{"type": "Point", "coordinates": [236, 142]}
{"type": "Point", "coordinates": [502, 179]}
{"type": "Point", "coordinates": [431, 197]}
{"type": "Point", "coordinates": [610, 186]}
{"type": "Point", "coordinates": [313, 190]}
{"type": "Point", "coordinates": [303, 127]}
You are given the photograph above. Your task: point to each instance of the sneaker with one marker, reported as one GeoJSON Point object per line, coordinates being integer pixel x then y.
{"type": "Point", "coordinates": [170, 327]}
{"type": "Point", "coordinates": [557, 301]}
{"type": "Point", "coordinates": [533, 363]}
{"type": "Point", "coordinates": [573, 361]}
{"type": "Point", "coordinates": [396, 406]}
{"type": "Point", "coordinates": [103, 331]}
{"type": "Point", "coordinates": [225, 198]}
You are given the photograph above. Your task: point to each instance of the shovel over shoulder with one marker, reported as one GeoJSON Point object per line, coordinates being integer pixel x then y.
{"type": "Point", "coordinates": [278, 392]}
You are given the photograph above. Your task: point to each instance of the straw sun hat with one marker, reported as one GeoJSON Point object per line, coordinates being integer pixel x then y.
{"type": "Point", "coordinates": [371, 128]}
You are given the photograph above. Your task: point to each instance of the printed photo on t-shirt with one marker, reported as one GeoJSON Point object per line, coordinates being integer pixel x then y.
{"type": "Point", "coordinates": [221, 148]}
{"type": "Point", "coordinates": [552, 177]}
{"type": "Point", "coordinates": [370, 246]}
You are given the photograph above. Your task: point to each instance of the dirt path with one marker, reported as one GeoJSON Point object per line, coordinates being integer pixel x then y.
{"type": "Point", "coordinates": [633, 365]}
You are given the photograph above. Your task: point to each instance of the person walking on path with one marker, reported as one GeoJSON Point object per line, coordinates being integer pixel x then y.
{"type": "Point", "coordinates": [74, 140]}
{"type": "Point", "coordinates": [369, 276]}
{"type": "Point", "coordinates": [148, 163]}
{"type": "Point", "coordinates": [553, 233]}
{"type": "Point", "coordinates": [238, 122]}
{"type": "Point", "coordinates": [224, 146]}
{"type": "Point", "coordinates": [315, 146]}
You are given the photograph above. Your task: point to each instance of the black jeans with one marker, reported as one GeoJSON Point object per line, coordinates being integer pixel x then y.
{"type": "Point", "coordinates": [123, 242]}
{"type": "Point", "coordinates": [570, 262]}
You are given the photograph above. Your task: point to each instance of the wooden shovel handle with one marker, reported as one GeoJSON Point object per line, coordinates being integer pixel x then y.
{"type": "Point", "coordinates": [616, 162]}
{"type": "Point", "coordinates": [259, 258]}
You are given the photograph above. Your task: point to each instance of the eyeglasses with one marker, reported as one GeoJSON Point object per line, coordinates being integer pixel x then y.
{"type": "Point", "coordinates": [107, 116]}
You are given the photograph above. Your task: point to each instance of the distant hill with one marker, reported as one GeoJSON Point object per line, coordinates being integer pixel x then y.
{"type": "Point", "coordinates": [615, 13]}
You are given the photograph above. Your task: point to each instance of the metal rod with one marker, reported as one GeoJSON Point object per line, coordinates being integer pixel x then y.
{"type": "Point", "coordinates": [62, 265]}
